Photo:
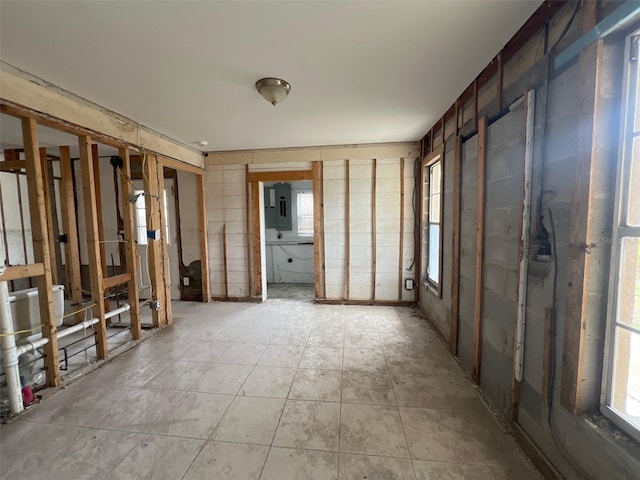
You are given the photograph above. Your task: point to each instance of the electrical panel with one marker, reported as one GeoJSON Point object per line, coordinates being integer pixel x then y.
{"type": "Point", "coordinates": [277, 207]}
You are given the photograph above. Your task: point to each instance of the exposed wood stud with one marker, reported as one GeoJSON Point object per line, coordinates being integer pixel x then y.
{"type": "Point", "coordinates": [249, 227]}
{"type": "Point", "coordinates": [22, 225]}
{"type": "Point", "coordinates": [131, 250]}
{"type": "Point", "coordinates": [48, 210]}
{"type": "Point", "coordinates": [224, 259]}
{"type": "Point", "coordinates": [204, 244]}
{"type": "Point", "coordinates": [98, 194]}
{"type": "Point", "coordinates": [583, 223]}
{"type": "Point", "coordinates": [93, 243]}
{"type": "Point", "coordinates": [41, 250]}
{"type": "Point", "coordinates": [69, 222]}
{"type": "Point", "coordinates": [164, 244]}
{"type": "Point", "coordinates": [401, 244]}
{"type": "Point", "coordinates": [455, 266]}
{"type": "Point", "coordinates": [257, 234]}
{"type": "Point", "coordinates": [170, 173]}
{"type": "Point", "coordinates": [374, 259]}
{"type": "Point", "coordinates": [347, 240]}
{"type": "Point", "coordinates": [18, 272]}
{"type": "Point", "coordinates": [475, 102]}
{"type": "Point", "coordinates": [318, 230]}
{"type": "Point", "coordinates": [154, 248]}
{"type": "Point", "coordinates": [479, 256]}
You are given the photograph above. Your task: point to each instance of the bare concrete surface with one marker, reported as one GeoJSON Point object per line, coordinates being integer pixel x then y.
{"type": "Point", "coordinates": [281, 390]}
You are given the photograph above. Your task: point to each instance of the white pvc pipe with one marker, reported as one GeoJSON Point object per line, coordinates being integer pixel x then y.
{"type": "Point", "coordinates": [126, 307]}
{"type": "Point", "coordinates": [524, 237]}
{"type": "Point", "coordinates": [31, 346]}
{"type": "Point", "coordinates": [8, 344]}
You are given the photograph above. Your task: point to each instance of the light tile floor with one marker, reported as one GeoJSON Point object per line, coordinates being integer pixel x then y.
{"type": "Point", "coordinates": [277, 391]}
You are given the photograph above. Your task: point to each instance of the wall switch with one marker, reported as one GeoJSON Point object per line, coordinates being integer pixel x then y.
{"type": "Point", "coordinates": [185, 281]}
{"type": "Point", "coordinates": [409, 284]}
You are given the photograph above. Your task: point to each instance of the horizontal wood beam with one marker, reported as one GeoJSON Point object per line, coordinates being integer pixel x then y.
{"type": "Point", "coordinates": [110, 282]}
{"type": "Point", "coordinates": [286, 176]}
{"type": "Point", "coordinates": [17, 272]}
{"type": "Point", "coordinates": [26, 97]}
{"type": "Point", "coordinates": [9, 165]}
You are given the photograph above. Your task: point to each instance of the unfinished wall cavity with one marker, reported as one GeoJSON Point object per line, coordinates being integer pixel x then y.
{"type": "Point", "coordinates": [367, 227]}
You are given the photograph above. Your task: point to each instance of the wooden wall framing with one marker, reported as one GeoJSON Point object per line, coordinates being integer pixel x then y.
{"type": "Point", "coordinates": [478, 303]}
{"type": "Point", "coordinates": [254, 230]}
{"type": "Point", "coordinates": [41, 248]}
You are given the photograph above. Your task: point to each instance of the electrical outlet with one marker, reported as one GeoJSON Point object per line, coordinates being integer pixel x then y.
{"type": "Point", "coordinates": [154, 305]}
{"type": "Point", "coordinates": [185, 281]}
{"type": "Point", "coordinates": [409, 284]}
{"type": "Point", "coordinates": [153, 234]}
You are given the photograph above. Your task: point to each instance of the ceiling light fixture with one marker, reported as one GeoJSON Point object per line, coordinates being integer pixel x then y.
{"type": "Point", "coordinates": [273, 90]}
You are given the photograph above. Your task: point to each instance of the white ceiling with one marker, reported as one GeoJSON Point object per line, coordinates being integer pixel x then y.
{"type": "Point", "coordinates": [361, 72]}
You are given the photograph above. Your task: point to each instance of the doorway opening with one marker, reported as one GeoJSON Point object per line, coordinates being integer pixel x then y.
{"type": "Point", "coordinates": [288, 236]}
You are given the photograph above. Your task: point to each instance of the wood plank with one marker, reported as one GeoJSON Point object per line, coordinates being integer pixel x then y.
{"type": "Point", "coordinates": [347, 232]}
{"type": "Point", "coordinates": [582, 232]}
{"type": "Point", "coordinates": [11, 165]}
{"type": "Point", "coordinates": [164, 260]}
{"type": "Point", "coordinates": [318, 230]}
{"type": "Point", "coordinates": [401, 249]}
{"type": "Point", "coordinates": [204, 244]}
{"type": "Point", "coordinates": [257, 252]}
{"type": "Point", "coordinates": [281, 176]}
{"type": "Point", "coordinates": [110, 282]}
{"type": "Point", "coordinates": [479, 257]}
{"type": "Point", "coordinates": [93, 244]}
{"type": "Point", "coordinates": [455, 265]}
{"type": "Point", "coordinates": [249, 227]}
{"type": "Point", "coordinates": [41, 251]}
{"type": "Point", "coordinates": [374, 259]}
{"type": "Point", "coordinates": [69, 222]}
{"type": "Point", "coordinates": [18, 272]}
{"type": "Point", "coordinates": [24, 98]}
{"type": "Point", "coordinates": [182, 166]}
{"type": "Point", "coordinates": [154, 247]}
{"type": "Point", "coordinates": [131, 250]}
{"type": "Point", "coordinates": [48, 211]}
{"type": "Point", "coordinates": [98, 190]}
{"type": "Point", "coordinates": [224, 259]}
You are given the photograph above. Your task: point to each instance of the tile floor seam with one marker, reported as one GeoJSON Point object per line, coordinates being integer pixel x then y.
{"type": "Point", "coordinates": [404, 433]}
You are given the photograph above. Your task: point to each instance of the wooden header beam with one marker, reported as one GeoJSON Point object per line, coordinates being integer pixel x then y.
{"type": "Point", "coordinates": [284, 176]}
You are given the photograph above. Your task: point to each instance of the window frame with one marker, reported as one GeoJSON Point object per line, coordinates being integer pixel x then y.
{"type": "Point", "coordinates": [427, 163]}
{"type": "Point", "coordinates": [621, 229]}
{"type": "Point", "coordinates": [298, 214]}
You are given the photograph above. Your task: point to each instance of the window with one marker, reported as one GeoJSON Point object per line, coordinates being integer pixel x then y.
{"type": "Point", "coordinates": [141, 217]}
{"type": "Point", "coordinates": [622, 378]}
{"type": "Point", "coordinates": [432, 220]}
{"type": "Point", "coordinates": [305, 213]}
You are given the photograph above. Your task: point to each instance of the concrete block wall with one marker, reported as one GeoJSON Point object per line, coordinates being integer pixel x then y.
{"type": "Point", "coordinates": [468, 207]}
{"type": "Point", "coordinates": [387, 225]}
{"type": "Point", "coordinates": [503, 204]}
{"type": "Point", "coordinates": [226, 205]}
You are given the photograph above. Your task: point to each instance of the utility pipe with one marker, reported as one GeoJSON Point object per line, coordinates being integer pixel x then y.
{"type": "Point", "coordinates": [8, 343]}
{"type": "Point", "coordinates": [524, 237]}
{"type": "Point", "coordinates": [31, 346]}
